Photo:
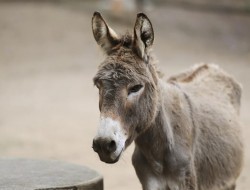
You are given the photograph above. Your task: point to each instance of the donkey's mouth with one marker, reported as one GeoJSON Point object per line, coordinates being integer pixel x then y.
{"type": "Point", "coordinates": [109, 159]}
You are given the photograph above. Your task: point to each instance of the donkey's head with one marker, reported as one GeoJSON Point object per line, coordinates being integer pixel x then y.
{"type": "Point", "coordinates": [127, 83]}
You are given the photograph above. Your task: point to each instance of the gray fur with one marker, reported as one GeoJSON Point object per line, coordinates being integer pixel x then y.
{"type": "Point", "coordinates": [186, 130]}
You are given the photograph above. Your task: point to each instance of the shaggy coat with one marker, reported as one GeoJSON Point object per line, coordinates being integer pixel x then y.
{"type": "Point", "coordinates": [186, 130]}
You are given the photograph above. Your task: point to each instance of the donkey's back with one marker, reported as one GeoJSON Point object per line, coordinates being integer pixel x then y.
{"type": "Point", "coordinates": [210, 82]}
{"type": "Point", "coordinates": [215, 101]}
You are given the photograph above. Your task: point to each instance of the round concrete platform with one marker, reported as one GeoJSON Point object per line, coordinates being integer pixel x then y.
{"type": "Point", "coordinates": [24, 174]}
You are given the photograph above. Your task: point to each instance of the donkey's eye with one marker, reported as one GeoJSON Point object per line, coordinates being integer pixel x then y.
{"type": "Point", "coordinates": [134, 89]}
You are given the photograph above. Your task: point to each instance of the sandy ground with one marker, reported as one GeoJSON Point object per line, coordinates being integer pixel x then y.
{"type": "Point", "coordinates": [48, 104]}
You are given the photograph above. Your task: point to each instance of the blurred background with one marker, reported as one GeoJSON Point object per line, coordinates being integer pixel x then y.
{"type": "Point", "coordinates": [48, 56]}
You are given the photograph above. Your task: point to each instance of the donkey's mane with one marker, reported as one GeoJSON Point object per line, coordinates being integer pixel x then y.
{"type": "Point", "coordinates": [123, 63]}
{"type": "Point", "coordinates": [126, 40]}
{"type": "Point", "coordinates": [111, 70]}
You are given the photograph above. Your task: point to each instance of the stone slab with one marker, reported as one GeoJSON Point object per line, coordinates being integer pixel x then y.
{"type": "Point", "coordinates": [25, 174]}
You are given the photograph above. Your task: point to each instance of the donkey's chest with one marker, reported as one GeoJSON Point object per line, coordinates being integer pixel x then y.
{"type": "Point", "coordinates": [161, 182]}
{"type": "Point", "coordinates": [165, 173]}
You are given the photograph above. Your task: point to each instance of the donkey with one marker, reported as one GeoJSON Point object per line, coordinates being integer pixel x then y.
{"type": "Point", "coordinates": [186, 129]}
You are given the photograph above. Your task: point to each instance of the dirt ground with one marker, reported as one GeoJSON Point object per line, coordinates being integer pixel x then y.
{"type": "Point", "coordinates": [48, 104]}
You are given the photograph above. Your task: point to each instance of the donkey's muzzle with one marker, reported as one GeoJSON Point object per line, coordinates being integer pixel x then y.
{"type": "Point", "coordinates": [104, 148]}
{"type": "Point", "coordinates": [101, 145]}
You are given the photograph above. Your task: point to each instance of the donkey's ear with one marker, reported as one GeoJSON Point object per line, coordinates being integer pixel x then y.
{"type": "Point", "coordinates": [104, 35]}
{"type": "Point", "coordinates": [143, 35]}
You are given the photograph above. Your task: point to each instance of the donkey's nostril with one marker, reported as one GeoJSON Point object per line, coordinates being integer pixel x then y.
{"type": "Point", "coordinates": [96, 147]}
{"type": "Point", "coordinates": [104, 146]}
{"type": "Point", "coordinates": [111, 146]}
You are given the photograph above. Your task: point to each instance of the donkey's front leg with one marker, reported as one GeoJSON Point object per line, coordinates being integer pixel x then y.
{"type": "Point", "coordinates": [190, 180]}
{"type": "Point", "coordinates": [149, 179]}
{"type": "Point", "coordinates": [181, 174]}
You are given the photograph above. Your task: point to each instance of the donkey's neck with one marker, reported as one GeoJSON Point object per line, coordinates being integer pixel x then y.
{"type": "Point", "coordinates": [158, 138]}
